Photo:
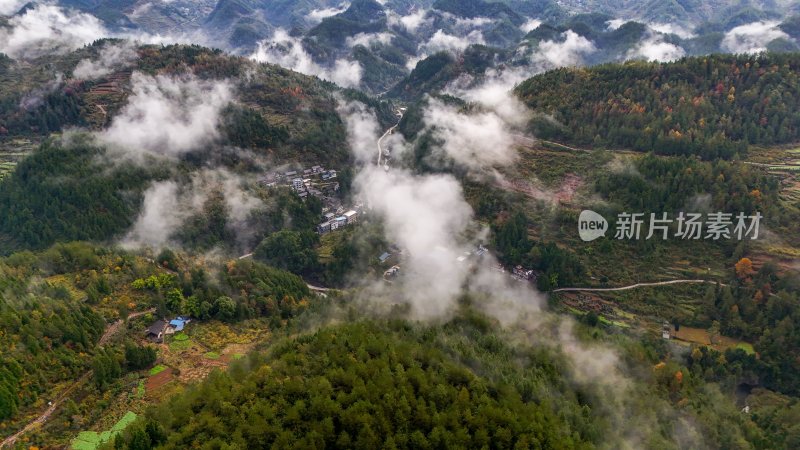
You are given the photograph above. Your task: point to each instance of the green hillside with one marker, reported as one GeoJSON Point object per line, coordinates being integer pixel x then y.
{"type": "Point", "coordinates": [707, 106]}
{"type": "Point", "coordinates": [400, 385]}
{"type": "Point", "coordinates": [56, 304]}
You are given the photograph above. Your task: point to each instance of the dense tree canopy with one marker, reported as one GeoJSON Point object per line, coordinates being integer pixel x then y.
{"type": "Point", "coordinates": [354, 387]}
{"type": "Point", "coordinates": [707, 106]}
{"type": "Point", "coordinates": [62, 193]}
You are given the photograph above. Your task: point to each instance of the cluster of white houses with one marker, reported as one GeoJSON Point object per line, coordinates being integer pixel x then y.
{"type": "Point", "coordinates": [321, 183]}
{"type": "Point", "coordinates": [305, 182]}
{"type": "Point", "coordinates": [333, 222]}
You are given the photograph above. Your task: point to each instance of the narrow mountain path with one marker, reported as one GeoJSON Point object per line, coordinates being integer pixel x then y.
{"type": "Point", "coordinates": [110, 331]}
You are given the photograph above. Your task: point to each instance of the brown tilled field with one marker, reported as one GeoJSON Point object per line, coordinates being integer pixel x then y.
{"type": "Point", "coordinates": [156, 381]}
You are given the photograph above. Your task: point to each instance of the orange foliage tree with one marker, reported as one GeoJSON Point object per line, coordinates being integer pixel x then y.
{"type": "Point", "coordinates": [744, 269]}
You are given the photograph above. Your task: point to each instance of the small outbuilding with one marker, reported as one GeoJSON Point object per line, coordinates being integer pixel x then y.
{"type": "Point", "coordinates": [155, 332]}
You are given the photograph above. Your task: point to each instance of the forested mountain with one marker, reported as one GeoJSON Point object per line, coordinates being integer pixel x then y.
{"type": "Point", "coordinates": [436, 72]}
{"type": "Point", "coordinates": [280, 110]}
{"type": "Point", "coordinates": [358, 224]}
{"type": "Point", "coordinates": [688, 11]}
{"type": "Point", "coordinates": [67, 196]}
{"type": "Point", "coordinates": [56, 304]}
{"type": "Point", "coordinates": [707, 106]}
{"type": "Point", "coordinates": [396, 385]}
{"type": "Point", "coordinates": [373, 46]}
{"type": "Point", "coordinates": [73, 189]}
{"type": "Point", "coordinates": [45, 333]}
{"type": "Point", "coordinates": [394, 392]}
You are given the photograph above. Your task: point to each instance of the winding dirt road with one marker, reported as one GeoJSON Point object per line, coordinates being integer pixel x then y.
{"type": "Point", "coordinates": [110, 331]}
{"type": "Point", "coordinates": [634, 286]}
{"type": "Point", "coordinates": [388, 132]}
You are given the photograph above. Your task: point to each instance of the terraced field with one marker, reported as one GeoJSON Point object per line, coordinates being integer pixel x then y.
{"type": "Point", "coordinates": [784, 163]}
{"type": "Point", "coordinates": [11, 152]}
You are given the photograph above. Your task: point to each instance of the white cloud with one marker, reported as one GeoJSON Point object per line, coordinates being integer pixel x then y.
{"type": "Point", "coordinates": [140, 10]}
{"type": "Point", "coordinates": [569, 52]}
{"type": "Point", "coordinates": [161, 215]}
{"type": "Point", "coordinates": [530, 25]}
{"type": "Point", "coordinates": [49, 29]}
{"type": "Point", "coordinates": [411, 22]}
{"type": "Point", "coordinates": [614, 24]}
{"type": "Point", "coordinates": [168, 116]}
{"type": "Point", "coordinates": [344, 73]}
{"type": "Point", "coordinates": [112, 57]}
{"type": "Point", "coordinates": [464, 24]}
{"type": "Point", "coordinates": [478, 141]}
{"type": "Point", "coordinates": [473, 22]}
{"type": "Point", "coordinates": [8, 7]}
{"type": "Point", "coordinates": [441, 41]}
{"type": "Point", "coordinates": [287, 51]}
{"type": "Point", "coordinates": [654, 48]}
{"type": "Point", "coordinates": [367, 39]}
{"type": "Point", "coordinates": [35, 97]}
{"type": "Point", "coordinates": [316, 15]}
{"type": "Point", "coordinates": [362, 129]}
{"type": "Point", "coordinates": [671, 28]}
{"type": "Point", "coordinates": [424, 215]}
{"type": "Point", "coordinates": [45, 29]}
{"type": "Point", "coordinates": [168, 204]}
{"type": "Point", "coordinates": [752, 38]}
{"type": "Point", "coordinates": [492, 89]}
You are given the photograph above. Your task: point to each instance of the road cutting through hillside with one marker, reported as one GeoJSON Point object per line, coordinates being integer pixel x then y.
{"type": "Point", "coordinates": [634, 286]}
{"type": "Point", "coordinates": [388, 132]}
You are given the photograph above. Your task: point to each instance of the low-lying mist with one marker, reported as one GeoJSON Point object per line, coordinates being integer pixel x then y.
{"type": "Point", "coordinates": [428, 217]}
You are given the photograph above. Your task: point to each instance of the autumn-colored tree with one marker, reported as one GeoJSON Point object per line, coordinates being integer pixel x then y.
{"type": "Point", "coordinates": [744, 269]}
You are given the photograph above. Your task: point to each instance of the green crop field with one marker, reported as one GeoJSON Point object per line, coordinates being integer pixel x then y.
{"type": "Point", "coordinates": [157, 369]}
{"type": "Point", "coordinates": [90, 440]}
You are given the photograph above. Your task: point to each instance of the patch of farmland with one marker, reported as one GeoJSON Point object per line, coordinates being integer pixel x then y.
{"type": "Point", "coordinates": [90, 440]}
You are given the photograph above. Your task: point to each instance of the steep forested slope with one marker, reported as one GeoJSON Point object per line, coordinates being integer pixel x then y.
{"type": "Point", "coordinates": [55, 305]}
{"type": "Point", "coordinates": [710, 106]}
{"type": "Point", "coordinates": [396, 385]}
{"type": "Point", "coordinates": [46, 330]}
{"type": "Point", "coordinates": [286, 114]}
{"type": "Point", "coordinates": [356, 387]}
{"type": "Point", "coordinates": [44, 337]}
{"type": "Point", "coordinates": [63, 193]}
{"type": "Point", "coordinates": [435, 72]}
{"type": "Point", "coordinates": [74, 189]}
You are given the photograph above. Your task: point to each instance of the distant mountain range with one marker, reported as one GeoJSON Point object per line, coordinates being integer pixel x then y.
{"type": "Point", "coordinates": [376, 45]}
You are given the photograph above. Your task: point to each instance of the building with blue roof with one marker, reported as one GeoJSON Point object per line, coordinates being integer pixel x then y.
{"type": "Point", "coordinates": [178, 323]}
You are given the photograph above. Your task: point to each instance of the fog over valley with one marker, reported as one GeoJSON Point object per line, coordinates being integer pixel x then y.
{"type": "Point", "coordinates": [567, 224]}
